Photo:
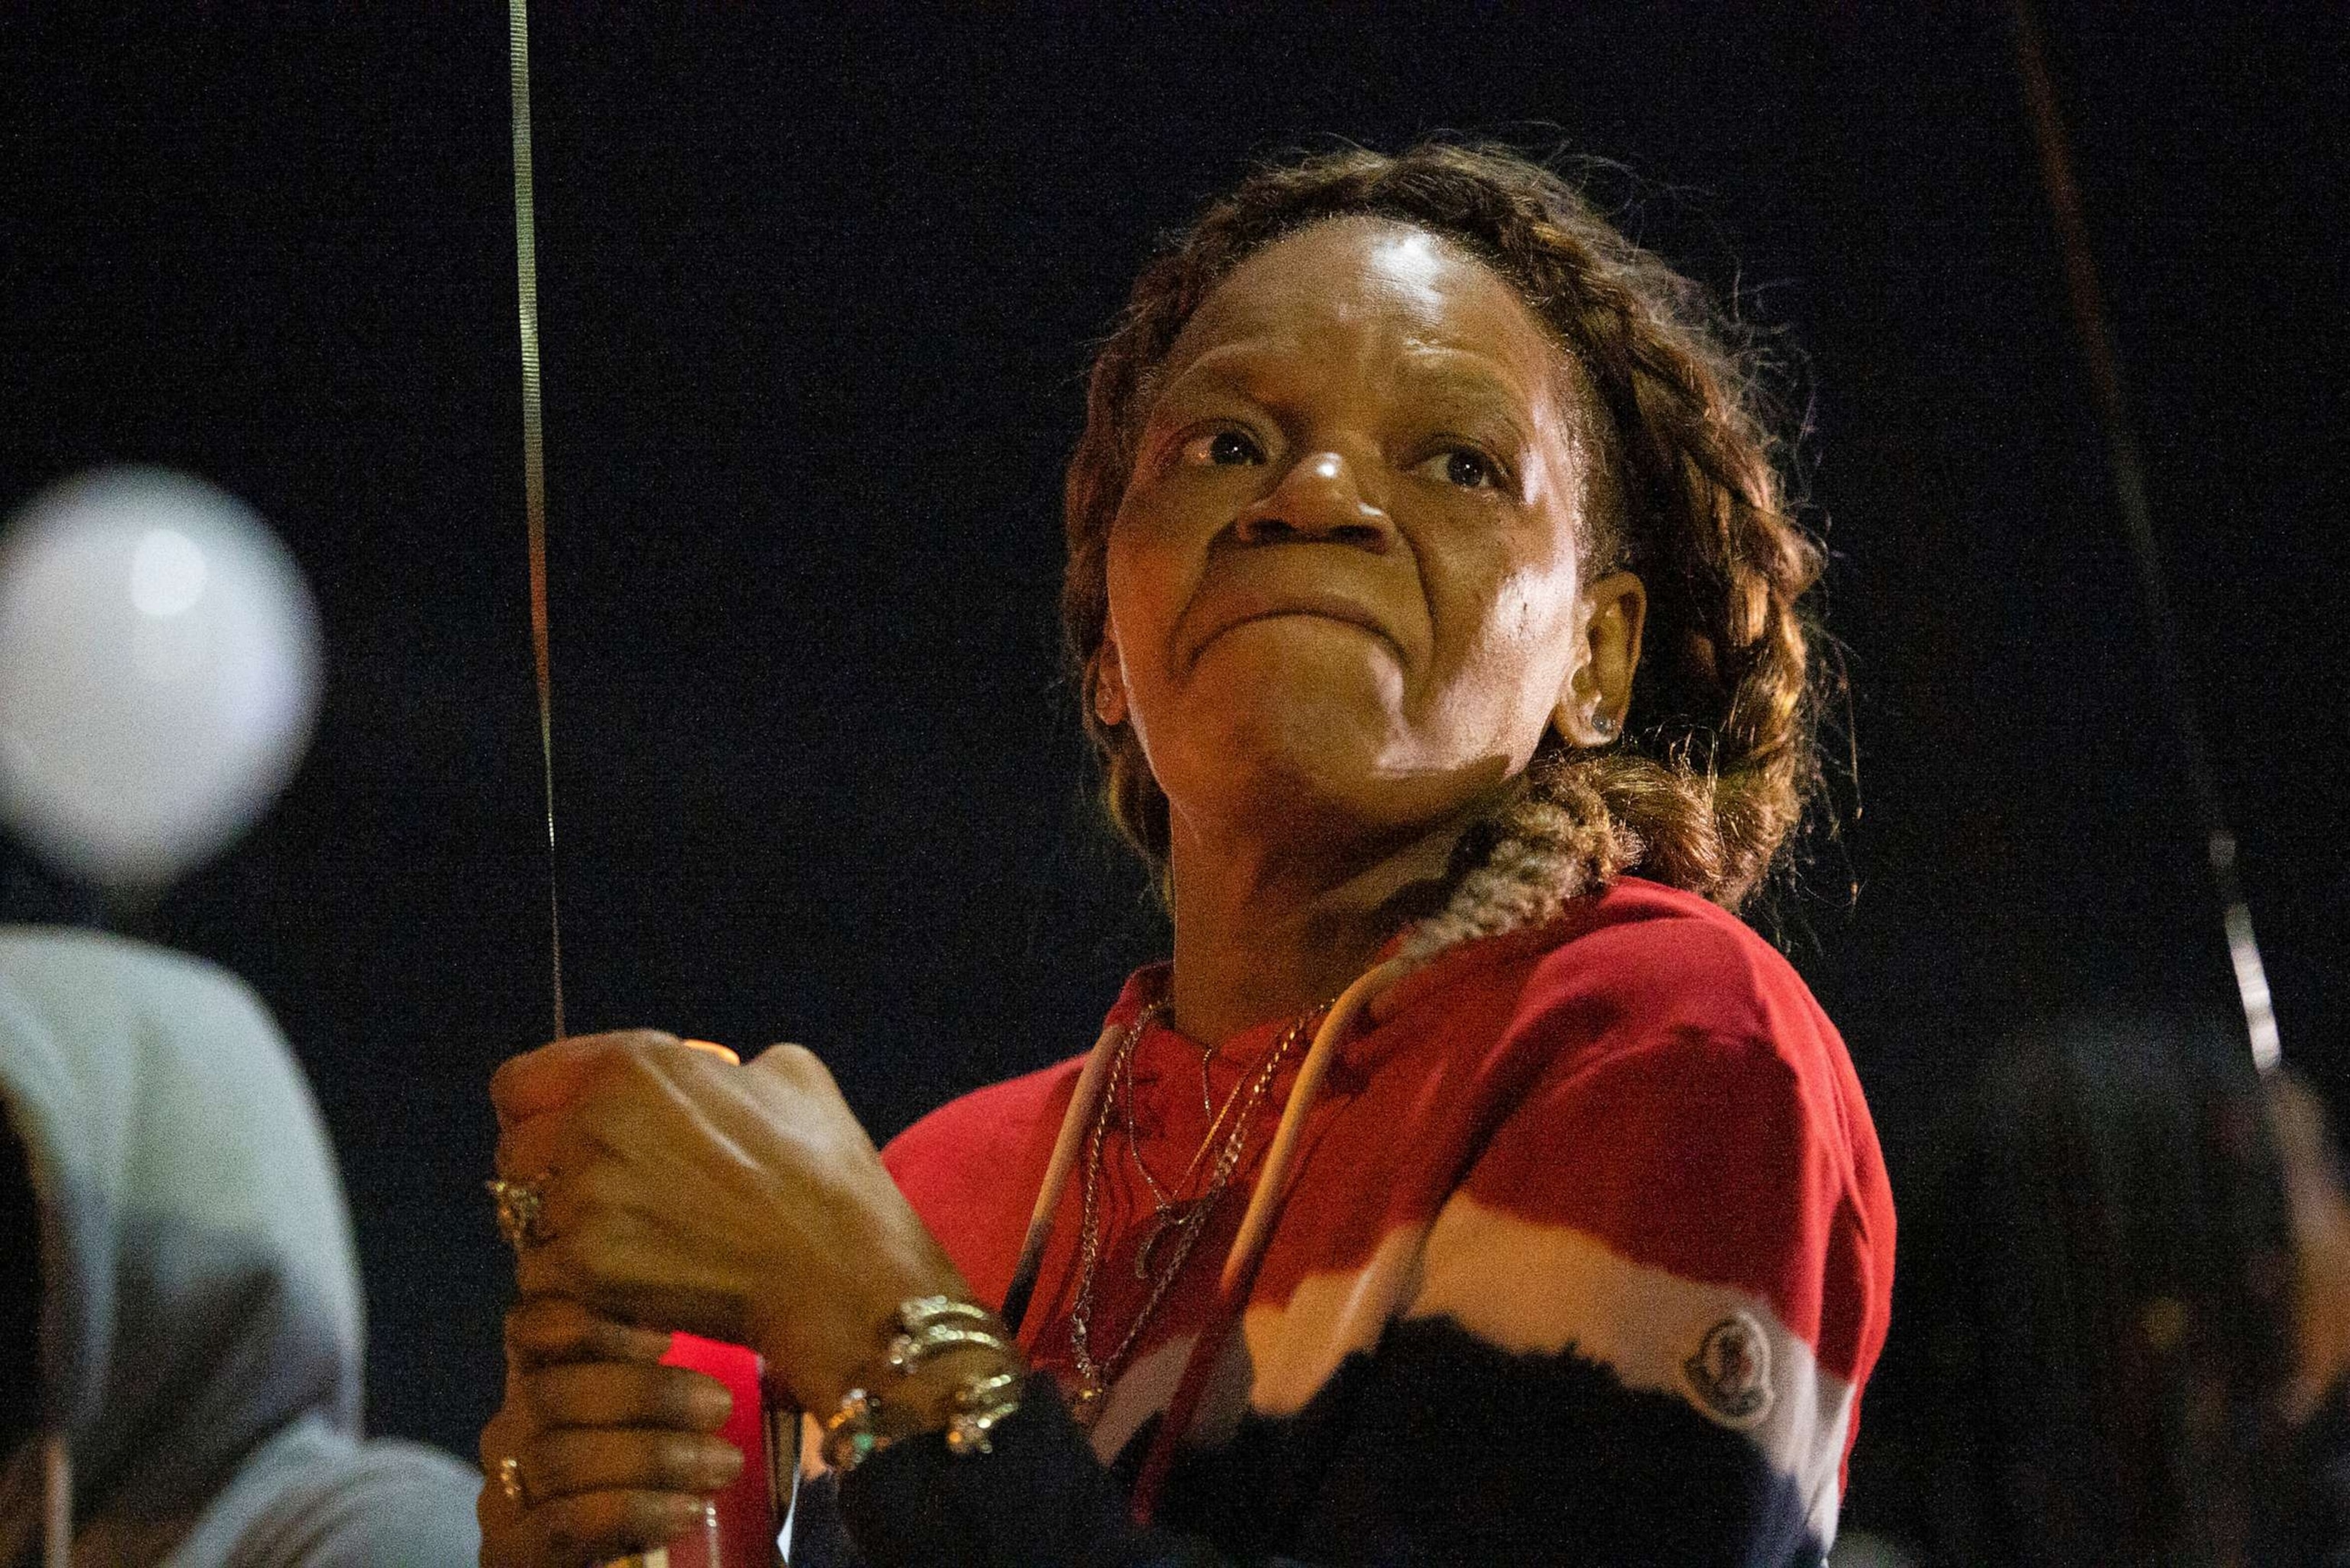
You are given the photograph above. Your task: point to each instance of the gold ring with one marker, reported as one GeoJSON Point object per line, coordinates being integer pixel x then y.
{"type": "Point", "coordinates": [520, 1220]}
{"type": "Point", "coordinates": [510, 1481]}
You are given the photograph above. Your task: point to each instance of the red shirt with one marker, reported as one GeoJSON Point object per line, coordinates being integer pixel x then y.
{"type": "Point", "coordinates": [1626, 1142]}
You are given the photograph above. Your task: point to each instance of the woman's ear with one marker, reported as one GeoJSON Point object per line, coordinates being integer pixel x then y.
{"type": "Point", "coordinates": [1591, 711]}
{"type": "Point", "coordinates": [1110, 685]}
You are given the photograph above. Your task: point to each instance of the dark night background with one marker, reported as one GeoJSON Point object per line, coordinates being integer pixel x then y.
{"type": "Point", "coordinates": [816, 293]}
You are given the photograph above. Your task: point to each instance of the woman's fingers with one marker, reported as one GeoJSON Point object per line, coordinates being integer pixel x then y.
{"type": "Point", "coordinates": [624, 1394]}
{"type": "Point", "coordinates": [526, 1149]}
{"type": "Point", "coordinates": [500, 1515]}
{"type": "Point", "coordinates": [551, 1076]}
{"type": "Point", "coordinates": [587, 1494]}
{"type": "Point", "coordinates": [565, 1461]}
{"type": "Point", "coordinates": [742, 1202]}
{"type": "Point", "coordinates": [596, 1527]}
{"type": "Point", "coordinates": [610, 1451]}
{"type": "Point", "coordinates": [546, 1331]}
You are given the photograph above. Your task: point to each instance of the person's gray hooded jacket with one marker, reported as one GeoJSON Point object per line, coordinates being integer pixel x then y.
{"type": "Point", "coordinates": [200, 1322]}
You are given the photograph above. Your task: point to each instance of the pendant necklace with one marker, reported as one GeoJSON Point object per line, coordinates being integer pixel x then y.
{"type": "Point", "coordinates": [1169, 1212]}
{"type": "Point", "coordinates": [1176, 1225]}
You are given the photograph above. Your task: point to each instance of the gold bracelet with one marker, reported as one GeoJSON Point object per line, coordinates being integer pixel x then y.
{"type": "Point", "coordinates": [929, 1325]}
{"type": "Point", "coordinates": [926, 1327]}
{"type": "Point", "coordinates": [910, 1350]}
{"type": "Point", "coordinates": [849, 1436]}
{"type": "Point", "coordinates": [979, 1404]}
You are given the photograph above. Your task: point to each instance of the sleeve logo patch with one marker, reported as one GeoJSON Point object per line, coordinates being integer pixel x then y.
{"type": "Point", "coordinates": [1730, 1374]}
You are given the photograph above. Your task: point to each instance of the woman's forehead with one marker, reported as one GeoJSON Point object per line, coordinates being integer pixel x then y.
{"type": "Point", "coordinates": [1366, 284]}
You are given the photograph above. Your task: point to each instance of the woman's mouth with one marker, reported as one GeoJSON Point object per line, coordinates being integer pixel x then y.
{"type": "Point", "coordinates": [1241, 608]}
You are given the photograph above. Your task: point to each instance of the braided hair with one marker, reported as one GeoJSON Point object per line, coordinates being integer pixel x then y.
{"type": "Point", "coordinates": [1719, 757]}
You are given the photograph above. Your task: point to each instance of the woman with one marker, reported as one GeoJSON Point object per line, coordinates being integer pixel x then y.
{"type": "Point", "coordinates": [1452, 1196]}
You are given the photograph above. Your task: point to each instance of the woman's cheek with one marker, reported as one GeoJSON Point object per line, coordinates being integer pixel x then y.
{"type": "Point", "coordinates": [1153, 560]}
{"type": "Point", "coordinates": [1532, 610]}
{"type": "Point", "coordinates": [1142, 611]}
{"type": "Point", "coordinates": [1504, 643]}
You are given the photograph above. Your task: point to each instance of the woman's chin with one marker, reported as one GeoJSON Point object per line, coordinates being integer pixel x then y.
{"type": "Point", "coordinates": [1316, 768]}
{"type": "Point", "coordinates": [1298, 682]}
{"type": "Point", "coordinates": [1313, 653]}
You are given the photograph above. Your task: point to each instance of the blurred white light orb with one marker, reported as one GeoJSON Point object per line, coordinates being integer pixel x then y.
{"type": "Point", "coordinates": [159, 674]}
{"type": "Point", "coordinates": [167, 573]}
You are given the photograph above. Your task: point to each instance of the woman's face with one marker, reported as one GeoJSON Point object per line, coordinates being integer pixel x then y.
{"type": "Point", "coordinates": [1344, 581]}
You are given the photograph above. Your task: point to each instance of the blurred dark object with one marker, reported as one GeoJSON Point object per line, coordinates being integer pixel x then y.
{"type": "Point", "coordinates": [19, 1309]}
{"type": "Point", "coordinates": [2311, 1494]}
{"type": "Point", "coordinates": [2310, 1501]}
{"type": "Point", "coordinates": [33, 895]}
{"type": "Point", "coordinates": [2094, 1348]}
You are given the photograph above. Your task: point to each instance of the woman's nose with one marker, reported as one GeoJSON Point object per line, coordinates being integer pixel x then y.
{"type": "Point", "coordinates": [1318, 498]}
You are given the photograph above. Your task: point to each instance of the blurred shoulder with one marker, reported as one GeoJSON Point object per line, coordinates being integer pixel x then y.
{"type": "Point", "coordinates": [88, 968]}
{"type": "Point", "coordinates": [96, 1009]}
{"type": "Point", "coordinates": [314, 1496]}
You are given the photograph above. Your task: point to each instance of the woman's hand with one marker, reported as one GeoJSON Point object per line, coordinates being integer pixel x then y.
{"type": "Point", "coordinates": [743, 1203]}
{"type": "Point", "coordinates": [613, 1452]}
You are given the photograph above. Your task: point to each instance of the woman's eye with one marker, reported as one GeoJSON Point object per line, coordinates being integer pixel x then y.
{"type": "Point", "coordinates": [1221, 449]}
{"type": "Point", "coordinates": [1464, 467]}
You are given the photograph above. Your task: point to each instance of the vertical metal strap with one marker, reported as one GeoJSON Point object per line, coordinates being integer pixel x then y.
{"type": "Point", "coordinates": [2128, 468]}
{"type": "Point", "coordinates": [534, 462]}
{"type": "Point", "coordinates": [782, 1423]}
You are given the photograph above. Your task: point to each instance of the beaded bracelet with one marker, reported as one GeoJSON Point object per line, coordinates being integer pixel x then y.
{"type": "Point", "coordinates": [926, 1327]}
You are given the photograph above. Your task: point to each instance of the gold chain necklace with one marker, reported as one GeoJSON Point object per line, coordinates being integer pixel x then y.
{"type": "Point", "coordinates": [1178, 1223]}
{"type": "Point", "coordinates": [1167, 1209]}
